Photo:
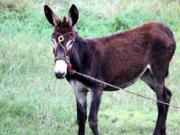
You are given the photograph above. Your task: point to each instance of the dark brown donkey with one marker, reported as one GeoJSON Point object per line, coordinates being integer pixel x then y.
{"type": "Point", "coordinates": [119, 59]}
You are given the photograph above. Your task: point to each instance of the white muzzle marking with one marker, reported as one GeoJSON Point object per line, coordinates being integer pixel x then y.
{"type": "Point", "coordinates": [60, 67]}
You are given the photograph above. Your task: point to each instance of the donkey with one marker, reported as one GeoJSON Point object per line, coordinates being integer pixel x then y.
{"type": "Point", "coordinates": [119, 59]}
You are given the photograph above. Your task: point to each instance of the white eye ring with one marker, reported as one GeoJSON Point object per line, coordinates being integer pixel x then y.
{"type": "Point", "coordinates": [70, 43]}
{"type": "Point", "coordinates": [55, 43]}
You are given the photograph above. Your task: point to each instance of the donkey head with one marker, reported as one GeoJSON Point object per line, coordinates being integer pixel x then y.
{"type": "Point", "coordinates": [63, 38]}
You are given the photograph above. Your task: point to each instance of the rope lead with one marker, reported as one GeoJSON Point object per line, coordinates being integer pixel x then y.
{"type": "Point", "coordinates": [116, 87]}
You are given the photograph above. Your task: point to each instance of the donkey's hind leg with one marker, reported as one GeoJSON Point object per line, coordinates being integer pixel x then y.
{"type": "Point", "coordinates": [163, 94]}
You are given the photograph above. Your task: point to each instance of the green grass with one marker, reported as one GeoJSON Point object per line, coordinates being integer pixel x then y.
{"type": "Point", "coordinates": [33, 102]}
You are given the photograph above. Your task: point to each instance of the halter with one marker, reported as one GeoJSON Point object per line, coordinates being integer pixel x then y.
{"type": "Point", "coordinates": [66, 57]}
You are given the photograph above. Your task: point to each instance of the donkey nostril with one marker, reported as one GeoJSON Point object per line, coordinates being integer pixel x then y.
{"type": "Point", "coordinates": [60, 75]}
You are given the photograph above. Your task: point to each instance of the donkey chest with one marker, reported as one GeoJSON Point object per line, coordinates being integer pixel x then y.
{"type": "Point", "coordinates": [79, 86]}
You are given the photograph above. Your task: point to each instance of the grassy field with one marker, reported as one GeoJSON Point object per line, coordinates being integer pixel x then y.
{"type": "Point", "coordinates": [33, 102]}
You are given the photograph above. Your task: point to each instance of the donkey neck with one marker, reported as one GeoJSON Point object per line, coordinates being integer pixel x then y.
{"type": "Point", "coordinates": [83, 53]}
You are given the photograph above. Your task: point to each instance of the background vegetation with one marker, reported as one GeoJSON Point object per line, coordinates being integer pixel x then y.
{"type": "Point", "coordinates": [33, 102]}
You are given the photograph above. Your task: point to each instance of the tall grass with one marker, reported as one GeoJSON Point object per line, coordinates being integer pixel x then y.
{"type": "Point", "coordinates": [33, 102]}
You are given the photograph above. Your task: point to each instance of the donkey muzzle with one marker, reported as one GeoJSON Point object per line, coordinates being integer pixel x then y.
{"type": "Point", "coordinates": [60, 69]}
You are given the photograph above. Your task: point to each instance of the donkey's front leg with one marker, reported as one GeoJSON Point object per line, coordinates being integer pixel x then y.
{"type": "Point", "coordinates": [81, 101]}
{"type": "Point", "coordinates": [93, 115]}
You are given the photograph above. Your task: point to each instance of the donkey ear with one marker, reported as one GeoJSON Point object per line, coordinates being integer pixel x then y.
{"type": "Point", "coordinates": [51, 17]}
{"type": "Point", "coordinates": [73, 15]}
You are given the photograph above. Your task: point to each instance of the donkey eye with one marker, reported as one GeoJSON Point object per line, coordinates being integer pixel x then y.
{"type": "Point", "coordinates": [71, 43]}
{"type": "Point", "coordinates": [53, 41]}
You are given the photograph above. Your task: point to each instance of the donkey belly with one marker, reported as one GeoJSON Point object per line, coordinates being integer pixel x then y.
{"type": "Point", "coordinates": [121, 84]}
{"type": "Point", "coordinates": [126, 79]}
